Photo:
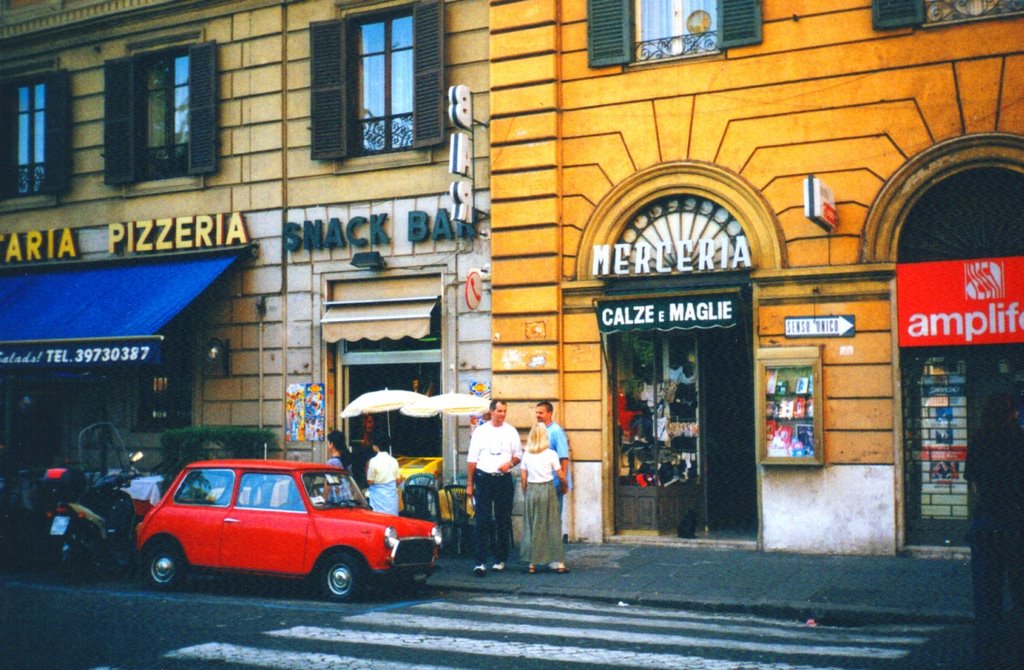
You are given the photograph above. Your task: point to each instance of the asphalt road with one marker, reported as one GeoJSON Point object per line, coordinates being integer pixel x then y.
{"type": "Point", "coordinates": [242, 623]}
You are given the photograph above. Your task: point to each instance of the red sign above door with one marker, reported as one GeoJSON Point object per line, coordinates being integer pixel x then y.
{"type": "Point", "coordinates": [964, 302]}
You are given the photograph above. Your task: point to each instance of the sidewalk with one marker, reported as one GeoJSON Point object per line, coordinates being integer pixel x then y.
{"type": "Point", "coordinates": [830, 589]}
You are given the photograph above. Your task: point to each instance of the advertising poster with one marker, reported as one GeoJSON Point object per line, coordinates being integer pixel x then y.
{"type": "Point", "coordinates": [295, 413]}
{"type": "Point", "coordinates": [304, 413]}
{"type": "Point", "coordinates": [314, 411]}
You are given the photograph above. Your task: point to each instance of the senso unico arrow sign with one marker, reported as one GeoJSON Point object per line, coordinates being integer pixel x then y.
{"type": "Point", "coordinates": [840, 325]}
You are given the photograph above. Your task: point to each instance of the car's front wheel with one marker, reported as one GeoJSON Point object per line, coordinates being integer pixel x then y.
{"type": "Point", "coordinates": [340, 576]}
{"type": "Point", "coordinates": [165, 565]}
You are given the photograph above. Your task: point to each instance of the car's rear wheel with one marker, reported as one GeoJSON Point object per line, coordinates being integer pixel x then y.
{"type": "Point", "coordinates": [340, 577]}
{"type": "Point", "coordinates": [165, 565]}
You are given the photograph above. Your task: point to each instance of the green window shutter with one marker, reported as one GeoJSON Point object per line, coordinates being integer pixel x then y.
{"type": "Point", "coordinates": [57, 152]}
{"type": "Point", "coordinates": [328, 107]}
{"type": "Point", "coordinates": [739, 23]}
{"type": "Point", "coordinates": [202, 108]}
{"type": "Point", "coordinates": [428, 74]}
{"type": "Point", "coordinates": [118, 121]}
{"type": "Point", "coordinates": [609, 32]}
{"type": "Point", "coordinates": [896, 13]}
{"type": "Point", "coordinates": [8, 169]}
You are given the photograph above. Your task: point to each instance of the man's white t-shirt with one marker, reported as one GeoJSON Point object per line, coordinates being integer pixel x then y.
{"type": "Point", "coordinates": [492, 446]}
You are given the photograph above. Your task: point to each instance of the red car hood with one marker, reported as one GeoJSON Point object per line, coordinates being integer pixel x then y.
{"type": "Point", "coordinates": [405, 526]}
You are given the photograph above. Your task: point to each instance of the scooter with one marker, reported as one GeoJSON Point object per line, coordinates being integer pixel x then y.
{"type": "Point", "coordinates": [91, 526]}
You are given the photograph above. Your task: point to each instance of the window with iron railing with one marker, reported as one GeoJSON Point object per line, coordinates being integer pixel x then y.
{"type": "Point", "coordinates": [952, 11]}
{"type": "Point", "coordinates": [674, 28]}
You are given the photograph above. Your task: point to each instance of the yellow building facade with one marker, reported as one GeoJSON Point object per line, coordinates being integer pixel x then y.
{"type": "Point", "coordinates": [729, 365]}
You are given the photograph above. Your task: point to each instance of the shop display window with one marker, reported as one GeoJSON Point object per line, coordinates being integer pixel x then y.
{"type": "Point", "coordinates": [789, 383]}
{"type": "Point", "coordinates": [657, 426]}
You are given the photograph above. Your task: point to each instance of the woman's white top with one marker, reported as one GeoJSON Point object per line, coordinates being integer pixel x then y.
{"type": "Point", "coordinates": [540, 468]}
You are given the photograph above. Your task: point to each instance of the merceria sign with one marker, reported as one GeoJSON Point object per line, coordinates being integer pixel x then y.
{"type": "Point", "coordinates": [175, 234]}
{"type": "Point", "coordinates": [360, 231]}
{"type": "Point", "coordinates": [702, 255]}
{"type": "Point", "coordinates": [38, 245]}
{"type": "Point", "coordinates": [976, 301]}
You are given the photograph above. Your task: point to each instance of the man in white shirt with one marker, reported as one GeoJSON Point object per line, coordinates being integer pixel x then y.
{"type": "Point", "coordinates": [494, 450]}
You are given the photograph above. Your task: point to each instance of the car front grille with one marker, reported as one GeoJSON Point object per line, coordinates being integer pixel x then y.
{"type": "Point", "coordinates": [416, 551]}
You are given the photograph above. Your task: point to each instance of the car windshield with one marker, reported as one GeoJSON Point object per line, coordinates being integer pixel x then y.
{"type": "Point", "coordinates": [332, 489]}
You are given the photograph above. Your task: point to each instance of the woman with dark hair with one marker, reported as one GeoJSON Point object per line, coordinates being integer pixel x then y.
{"type": "Point", "coordinates": [995, 472]}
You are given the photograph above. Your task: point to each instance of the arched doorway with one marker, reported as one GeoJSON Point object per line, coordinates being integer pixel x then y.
{"type": "Point", "coordinates": [961, 244]}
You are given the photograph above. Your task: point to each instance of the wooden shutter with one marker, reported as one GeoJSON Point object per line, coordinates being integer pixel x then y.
{"type": "Point", "coordinates": [202, 108]}
{"type": "Point", "coordinates": [739, 23]}
{"type": "Point", "coordinates": [428, 74]}
{"type": "Point", "coordinates": [609, 32]}
{"type": "Point", "coordinates": [8, 164]}
{"type": "Point", "coordinates": [57, 152]}
{"type": "Point", "coordinates": [328, 108]}
{"type": "Point", "coordinates": [896, 13]}
{"type": "Point", "coordinates": [118, 121]}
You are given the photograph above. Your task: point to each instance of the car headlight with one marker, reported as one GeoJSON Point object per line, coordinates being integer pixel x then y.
{"type": "Point", "coordinates": [435, 533]}
{"type": "Point", "coordinates": [390, 537]}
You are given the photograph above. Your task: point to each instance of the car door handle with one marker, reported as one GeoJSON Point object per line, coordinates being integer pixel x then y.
{"type": "Point", "coordinates": [232, 520]}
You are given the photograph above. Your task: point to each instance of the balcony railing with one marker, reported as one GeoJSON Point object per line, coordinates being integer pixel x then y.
{"type": "Point", "coordinates": [694, 44]}
{"type": "Point", "coordinates": [953, 11]}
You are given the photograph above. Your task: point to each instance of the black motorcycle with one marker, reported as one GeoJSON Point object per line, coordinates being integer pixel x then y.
{"type": "Point", "coordinates": [91, 526]}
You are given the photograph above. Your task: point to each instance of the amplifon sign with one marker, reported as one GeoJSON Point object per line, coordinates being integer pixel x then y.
{"type": "Point", "coordinates": [964, 302]}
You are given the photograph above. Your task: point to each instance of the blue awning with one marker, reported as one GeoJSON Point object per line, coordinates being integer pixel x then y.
{"type": "Point", "coordinates": [95, 315]}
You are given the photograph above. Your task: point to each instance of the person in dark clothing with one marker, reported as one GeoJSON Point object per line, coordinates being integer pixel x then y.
{"type": "Point", "coordinates": [995, 473]}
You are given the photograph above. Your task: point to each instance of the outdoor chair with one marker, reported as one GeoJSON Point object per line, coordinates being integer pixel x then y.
{"type": "Point", "coordinates": [421, 502]}
{"type": "Point", "coordinates": [456, 518]}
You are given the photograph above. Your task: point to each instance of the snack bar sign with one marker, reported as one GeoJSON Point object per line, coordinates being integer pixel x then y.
{"type": "Point", "coordinates": [672, 313]}
{"type": "Point", "coordinates": [963, 302]}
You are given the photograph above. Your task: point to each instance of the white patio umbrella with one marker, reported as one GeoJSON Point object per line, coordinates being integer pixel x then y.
{"type": "Point", "coordinates": [384, 400]}
{"type": "Point", "coordinates": [452, 404]}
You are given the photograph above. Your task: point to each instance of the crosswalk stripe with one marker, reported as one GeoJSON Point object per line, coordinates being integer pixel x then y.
{"type": "Point", "coordinates": [505, 650]}
{"type": "Point", "coordinates": [766, 629]}
{"type": "Point", "coordinates": [652, 612]}
{"type": "Point", "coordinates": [449, 623]}
{"type": "Point", "coordinates": [286, 660]}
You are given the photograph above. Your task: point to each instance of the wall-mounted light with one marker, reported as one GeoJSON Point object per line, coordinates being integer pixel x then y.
{"type": "Point", "coordinates": [217, 353]}
{"type": "Point", "coordinates": [368, 260]}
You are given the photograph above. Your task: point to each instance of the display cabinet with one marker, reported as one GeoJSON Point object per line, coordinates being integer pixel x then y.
{"type": "Point", "coordinates": [789, 406]}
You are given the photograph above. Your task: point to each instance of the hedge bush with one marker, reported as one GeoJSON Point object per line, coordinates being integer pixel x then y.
{"type": "Point", "coordinates": [182, 446]}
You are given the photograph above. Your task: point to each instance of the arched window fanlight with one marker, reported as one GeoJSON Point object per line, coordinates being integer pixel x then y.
{"type": "Point", "coordinates": [687, 224]}
{"type": "Point", "coordinates": [973, 214]}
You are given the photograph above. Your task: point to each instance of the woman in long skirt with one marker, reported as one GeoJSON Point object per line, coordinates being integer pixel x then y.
{"type": "Point", "coordinates": [542, 524]}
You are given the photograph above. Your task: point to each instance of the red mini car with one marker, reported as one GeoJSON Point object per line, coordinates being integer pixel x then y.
{"type": "Point", "coordinates": [280, 518]}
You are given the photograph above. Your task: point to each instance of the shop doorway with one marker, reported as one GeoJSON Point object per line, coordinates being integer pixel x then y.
{"type": "Point", "coordinates": [410, 436]}
{"type": "Point", "coordinates": [943, 391]}
{"type": "Point", "coordinates": [685, 461]}
{"type": "Point", "coordinates": [973, 214]}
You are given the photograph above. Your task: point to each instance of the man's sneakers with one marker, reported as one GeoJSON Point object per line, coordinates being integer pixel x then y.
{"type": "Point", "coordinates": [481, 570]}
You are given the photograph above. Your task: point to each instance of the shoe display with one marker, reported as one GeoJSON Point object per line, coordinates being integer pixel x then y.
{"type": "Point", "coordinates": [499, 566]}
{"type": "Point", "coordinates": [480, 570]}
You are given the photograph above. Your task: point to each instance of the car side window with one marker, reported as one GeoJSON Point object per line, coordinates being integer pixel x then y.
{"type": "Point", "coordinates": [206, 487]}
{"type": "Point", "coordinates": [269, 491]}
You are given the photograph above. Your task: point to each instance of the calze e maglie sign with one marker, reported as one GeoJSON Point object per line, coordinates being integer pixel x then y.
{"type": "Point", "coordinates": [671, 313]}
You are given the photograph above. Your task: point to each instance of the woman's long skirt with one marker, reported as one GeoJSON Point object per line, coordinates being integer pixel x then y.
{"type": "Point", "coordinates": [542, 525]}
